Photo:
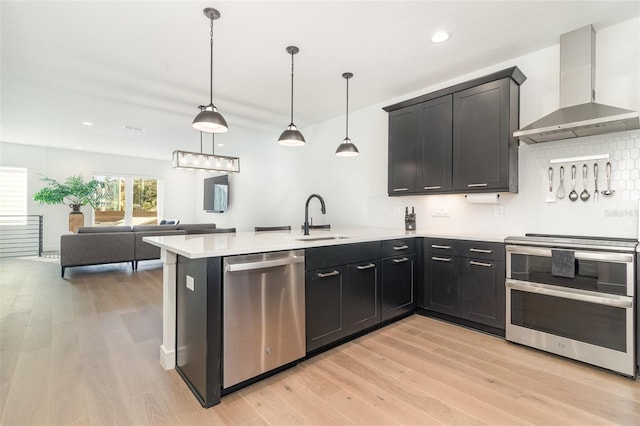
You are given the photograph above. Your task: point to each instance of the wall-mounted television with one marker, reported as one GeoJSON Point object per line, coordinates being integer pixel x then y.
{"type": "Point", "coordinates": [216, 194]}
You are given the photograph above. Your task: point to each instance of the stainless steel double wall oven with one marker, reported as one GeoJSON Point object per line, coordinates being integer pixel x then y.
{"type": "Point", "coordinates": [573, 296]}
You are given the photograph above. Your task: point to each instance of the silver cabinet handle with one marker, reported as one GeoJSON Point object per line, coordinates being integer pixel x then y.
{"type": "Point", "coordinates": [435, 246]}
{"type": "Point", "coordinates": [248, 266]}
{"type": "Point", "coordinates": [432, 187]}
{"type": "Point", "coordinates": [441, 259]}
{"type": "Point", "coordinates": [401, 260]}
{"type": "Point", "coordinates": [369, 266]}
{"type": "Point", "coordinates": [484, 265]}
{"type": "Point", "coordinates": [570, 293]}
{"type": "Point", "coordinates": [477, 185]}
{"type": "Point", "coordinates": [475, 250]}
{"type": "Point", "coordinates": [400, 189]}
{"type": "Point", "coordinates": [401, 247]}
{"type": "Point", "coordinates": [328, 274]}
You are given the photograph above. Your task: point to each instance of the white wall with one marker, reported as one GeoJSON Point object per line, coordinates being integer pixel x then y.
{"type": "Point", "coordinates": [275, 181]}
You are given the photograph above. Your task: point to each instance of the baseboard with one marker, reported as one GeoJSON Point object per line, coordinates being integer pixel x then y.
{"type": "Point", "coordinates": [167, 358]}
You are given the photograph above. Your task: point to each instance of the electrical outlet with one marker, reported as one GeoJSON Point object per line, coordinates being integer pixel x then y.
{"type": "Point", "coordinates": [190, 282]}
{"type": "Point", "coordinates": [440, 213]}
{"type": "Point", "coordinates": [498, 211]}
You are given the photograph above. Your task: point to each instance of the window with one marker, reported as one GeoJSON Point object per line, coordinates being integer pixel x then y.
{"type": "Point", "coordinates": [131, 201]}
{"type": "Point", "coordinates": [13, 192]}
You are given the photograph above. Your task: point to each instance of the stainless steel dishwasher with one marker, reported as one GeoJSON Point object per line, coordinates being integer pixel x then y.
{"type": "Point", "coordinates": [263, 313]}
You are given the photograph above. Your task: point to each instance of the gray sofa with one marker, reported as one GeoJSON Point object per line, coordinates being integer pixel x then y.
{"type": "Point", "coordinates": [96, 245]}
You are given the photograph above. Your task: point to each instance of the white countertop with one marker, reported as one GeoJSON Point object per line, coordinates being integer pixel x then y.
{"type": "Point", "coordinates": [213, 245]}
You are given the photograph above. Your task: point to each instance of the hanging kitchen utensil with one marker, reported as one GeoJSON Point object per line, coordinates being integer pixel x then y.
{"type": "Point", "coordinates": [561, 192]}
{"type": "Point", "coordinates": [608, 192]}
{"type": "Point", "coordinates": [551, 196]}
{"type": "Point", "coordinates": [584, 195]}
{"type": "Point", "coordinates": [573, 195]}
{"type": "Point", "coordinates": [596, 194]}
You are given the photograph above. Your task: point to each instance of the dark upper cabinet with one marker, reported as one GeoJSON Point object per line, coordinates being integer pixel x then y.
{"type": "Point", "coordinates": [458, 139]}
{"type": "Point", "coordinates": [434, 149]}
{"type": "Point", "coordinates": [482, 141]}
{"type": "Point", "coordinates": [403, 137]}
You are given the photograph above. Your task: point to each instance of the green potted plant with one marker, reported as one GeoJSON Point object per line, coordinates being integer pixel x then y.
{"type": "Point", "coordinates": [74, 191]}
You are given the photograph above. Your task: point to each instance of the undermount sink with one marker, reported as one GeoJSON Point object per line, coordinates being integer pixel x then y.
{"type": "Point", "coordinates": [322, 237]}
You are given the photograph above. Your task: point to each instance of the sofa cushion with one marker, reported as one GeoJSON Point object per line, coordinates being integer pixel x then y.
{"type": "Point", "coordinates": [96, 248]}
{"type": "Point", "coordinates": [146, 251]}
{"type": "Point", "coordinates": [194, 226]}
{"type": "Point", "coordinates": [155, 228]}
{"type": "Point", "coordinates": [103, 229]}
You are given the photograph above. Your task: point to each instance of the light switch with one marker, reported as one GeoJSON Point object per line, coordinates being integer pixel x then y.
{"type": "Point", "coordinates": [190, 282]}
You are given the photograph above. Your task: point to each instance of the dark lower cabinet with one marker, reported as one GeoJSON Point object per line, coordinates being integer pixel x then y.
{"type": "Point", "coordinates": [483, 292]}
{"type": "Point", "coordinates": [362, 298]}
{"type": "Point", "coordinates": [441, 290]}
{"type": "Point", "coordinates": [199, 327]}
{"type": "Point", "coordinates": [465, 279]}
{"type": "Point", "coordinates": [324, 306]}
{"type": "Point", "coordinates": [397, 286]}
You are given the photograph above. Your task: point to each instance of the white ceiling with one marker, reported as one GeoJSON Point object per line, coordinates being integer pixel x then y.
{"type": "Point", "coordinates": [146, 64]}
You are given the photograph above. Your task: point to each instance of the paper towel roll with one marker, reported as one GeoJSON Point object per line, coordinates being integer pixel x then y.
{"type": "Point", "coordinates": [482, 198]}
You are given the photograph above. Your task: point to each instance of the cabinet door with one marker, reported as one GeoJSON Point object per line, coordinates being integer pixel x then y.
{"type": "Point", "coordinates": [403, 140]}
{"type": "Point", "coordinates": [483, 292]}
{"type": "Point", "coordinates": [324, 303]}
{"type": "Point", "coordinates": [397, 286]}
{"type": "Point", "coordinates": [441, 284]}
{"type": "Point", "coordinates": [362, 300]}
{"type": "Point", "coordinates": [481, 137]}
{"type": "Point", "coordinates": [435, 146]}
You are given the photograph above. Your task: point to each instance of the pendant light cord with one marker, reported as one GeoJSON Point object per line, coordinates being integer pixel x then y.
{"type": "Point", "coordinates": [347, 131]}
{"type": "Point", "coordinates": [211, 64]}
{"type": "Point", "coordinates": [292, 88]}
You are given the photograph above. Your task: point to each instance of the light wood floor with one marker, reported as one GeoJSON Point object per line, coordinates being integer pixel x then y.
{"type": "Point", "coordinates": [85, 350]}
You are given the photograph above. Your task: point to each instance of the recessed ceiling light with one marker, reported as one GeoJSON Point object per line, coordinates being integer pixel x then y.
{"type": "Point", "coordinates": [87, 123]}
{"type": "Point", "coordinates": [80, 148]}
{"type": "Point", "coordinates": [135, 128]}
{"type": "Point", "coordinates": [220, 144]}
{"type": "Point", "coordinates": [439, 37]}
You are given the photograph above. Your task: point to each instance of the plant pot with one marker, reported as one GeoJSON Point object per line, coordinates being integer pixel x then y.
{"type": "Point", "coordinates": [75, 208]}
{"type": "Point", "coordinates": [76, 220]}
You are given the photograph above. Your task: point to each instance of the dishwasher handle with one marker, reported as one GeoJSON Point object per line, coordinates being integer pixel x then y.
{"type": "Point", "coordinates": [248, 266]}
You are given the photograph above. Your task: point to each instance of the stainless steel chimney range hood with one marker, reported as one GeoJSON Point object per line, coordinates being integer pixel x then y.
{"type": "Point", "coordinates": [578, 115]}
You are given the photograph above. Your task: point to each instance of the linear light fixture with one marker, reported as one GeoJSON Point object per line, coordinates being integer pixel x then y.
{"type": "Point", "coordinates": [208, 162]}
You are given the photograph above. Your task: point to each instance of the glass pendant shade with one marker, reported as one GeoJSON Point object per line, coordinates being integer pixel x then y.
{"type": "Point", "coordinates": [347, 149]}
{"type": "Point", "coordinates": [291, 136]}
{"type": "Point", "coordinates": [210, 120]}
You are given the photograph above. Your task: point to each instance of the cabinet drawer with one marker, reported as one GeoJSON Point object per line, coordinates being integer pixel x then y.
{"type": "Point", "coordinates": [481, 250]}
{"type": "Point", "coordinates": [441, 246]}
{"type": "Point", "coordinates": [325, 257]}
{"type": "Point", "coordinates": [399, 247]}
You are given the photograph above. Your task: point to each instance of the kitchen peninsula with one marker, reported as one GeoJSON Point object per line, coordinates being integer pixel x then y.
{"type": "Point", "coordinates": [375, 249]}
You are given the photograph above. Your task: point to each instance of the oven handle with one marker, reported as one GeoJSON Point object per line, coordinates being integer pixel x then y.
{"type": "Point", "coordinates": [570, 293]}
{"type": "Point", "coordinates": [583, 255]}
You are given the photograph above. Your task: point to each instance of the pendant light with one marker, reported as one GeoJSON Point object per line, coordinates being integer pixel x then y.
{"type": "Point", "coordinates": [209, 119]}
{"type": "Point", "coordinates": [291, 136]}
{"type": "Point", "coordinates": [347, 148]}
{"type": "Point", "coordinates": [207, 162]}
